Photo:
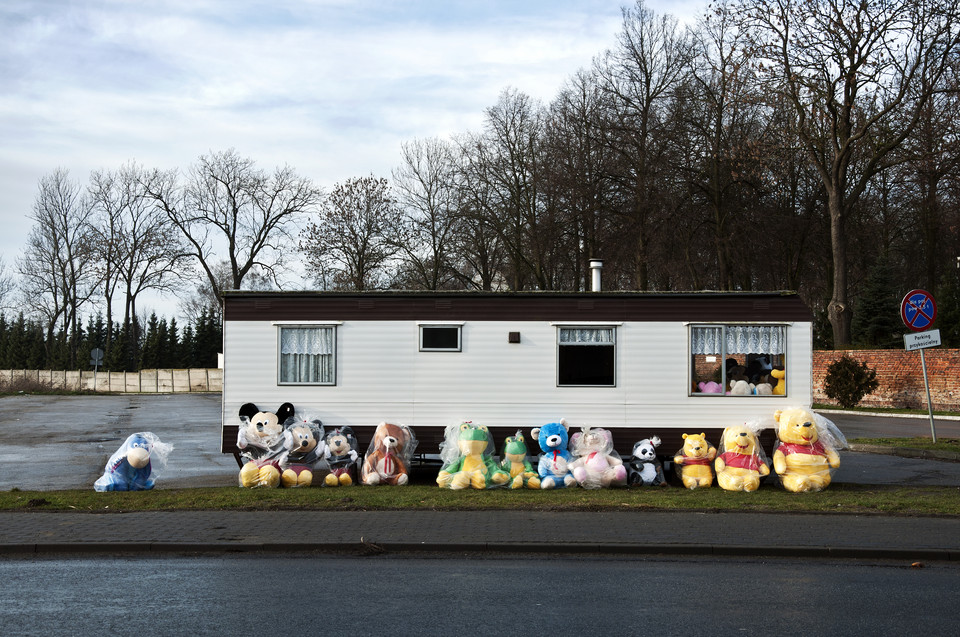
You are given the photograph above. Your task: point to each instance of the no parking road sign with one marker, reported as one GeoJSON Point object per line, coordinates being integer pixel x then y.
{"type": "Point", "coordinates": [918, 310]}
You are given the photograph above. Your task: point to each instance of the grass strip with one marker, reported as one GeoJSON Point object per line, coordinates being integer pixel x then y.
{"type": "Point", "coordinates": [942, 444]}
{"type": "Point", "coordinates": [838, 498]}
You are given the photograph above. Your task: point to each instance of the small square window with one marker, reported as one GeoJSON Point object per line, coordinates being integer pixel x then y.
{"type": "Point", "coordinates": [440, 338]}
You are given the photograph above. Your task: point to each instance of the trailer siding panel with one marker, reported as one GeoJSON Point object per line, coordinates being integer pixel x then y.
{"type": "Point", "coordinates": [381, 375]}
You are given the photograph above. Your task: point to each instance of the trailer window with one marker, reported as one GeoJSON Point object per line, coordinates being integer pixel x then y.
{"type": "Point", "coordinates": [308, 355]}
{"type": "Point", "coordinates": [440, 338]}
{"type": "Point", "coordinates": [586, 356]}
{"type": "Point", "coordinates": [737, 360]}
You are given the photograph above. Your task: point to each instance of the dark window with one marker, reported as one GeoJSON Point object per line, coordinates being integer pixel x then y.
{"type": "Point", "coordinates": [440, 338]}
{"type": "Point", "coordinates": [586, 356]}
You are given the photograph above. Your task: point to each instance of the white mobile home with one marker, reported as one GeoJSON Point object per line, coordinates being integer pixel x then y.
{"type": "Point", "coordinates": [653, 363]}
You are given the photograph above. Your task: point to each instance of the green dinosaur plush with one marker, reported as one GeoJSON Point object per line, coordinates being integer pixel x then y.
{"type": "Point", "coordinates": [467, 461]}
{"type": "Point", "coordinates": [514, 461]}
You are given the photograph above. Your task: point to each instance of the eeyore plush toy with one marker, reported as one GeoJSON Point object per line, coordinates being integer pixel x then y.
{"type": "Point", "coordinates": [135, 465]}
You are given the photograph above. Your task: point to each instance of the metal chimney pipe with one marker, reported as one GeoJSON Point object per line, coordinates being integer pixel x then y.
{"type": "Point", "coordinates": [596, 265]}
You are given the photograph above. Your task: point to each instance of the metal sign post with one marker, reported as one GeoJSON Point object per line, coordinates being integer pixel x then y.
{"type": "Point", "coordinates": [96, 359]}
{"type": "Point", "coordinates": [918, 311]}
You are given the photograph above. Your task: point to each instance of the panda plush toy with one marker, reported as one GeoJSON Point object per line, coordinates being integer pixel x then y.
{"type": "Point", "coordinates": [644, 468]}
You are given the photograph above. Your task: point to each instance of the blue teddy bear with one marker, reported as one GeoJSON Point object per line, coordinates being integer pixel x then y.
{"type": "Point", "coordinates": [555, 459]}
{"type": "Point", "coordinates": [131, 468]}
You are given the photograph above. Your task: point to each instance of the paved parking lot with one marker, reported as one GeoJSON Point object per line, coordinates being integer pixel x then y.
{"type": "Point", "coordinates": [63, 442]}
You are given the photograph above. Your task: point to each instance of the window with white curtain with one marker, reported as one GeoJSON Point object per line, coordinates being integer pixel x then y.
{"type": "Point", "coordinates": [738, 360]}
{"type": "Point", "coordinates": [307, 355]}
{"type": "Point", "coordinates": [586, 356]}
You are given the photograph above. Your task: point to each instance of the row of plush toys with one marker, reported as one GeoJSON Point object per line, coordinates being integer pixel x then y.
{"type": "Point", "coordinates": [587, 458]}
{"type": "Point", "coordinates": [804, 458]}
{"type": "Point", "coordinates": [281, 449]}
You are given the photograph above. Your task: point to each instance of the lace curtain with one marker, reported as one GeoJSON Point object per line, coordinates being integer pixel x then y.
{"type": "Point", "coordinates": [593, 336]}
{"type": "Point", "coordinates": [740, 339]}
{"type": "Point", "coordinates": [306, 354]}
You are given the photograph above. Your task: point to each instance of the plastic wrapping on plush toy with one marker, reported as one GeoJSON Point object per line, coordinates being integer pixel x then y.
{"type": "Point", "coordinates": [388, 456]}
{"type": "Point", "coordinates": [343, 457]}
{"type": "Point", "coordinates": [741, 462]}
{"type": "Point", "coordinates": [302, 461]}
{"type": "Point", "coordinates": [553, 463]}
{"type": "Point", "coordinates": [693, 462]}
{"type": "Point", "coordinates": [596, 464]}
{"type": "Point", "coordinates": [136, 465]}
{"type": "Point", "coordinates": [807, 451]}
{"type": "Point", "coordinates": [466, 456]}
{"type": "Point", "coordinates": [260, 441]}
{"type": "Point", "coordinates": [514, 460]}
{"type": "Point", "coordinates": [644, 467]}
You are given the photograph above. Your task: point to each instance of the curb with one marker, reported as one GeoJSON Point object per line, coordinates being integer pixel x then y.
{"type": "Point", "coordinates": [371, 549]}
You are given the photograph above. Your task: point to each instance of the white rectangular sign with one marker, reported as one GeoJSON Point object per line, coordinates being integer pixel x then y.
{"type": "Point", "coordinates": [921, 340]}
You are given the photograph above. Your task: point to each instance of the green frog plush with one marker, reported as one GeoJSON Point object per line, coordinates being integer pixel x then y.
{"type": "Point", "coordinates": [467, 459]}
{"type": "Point", "coordinates": [514, 461]}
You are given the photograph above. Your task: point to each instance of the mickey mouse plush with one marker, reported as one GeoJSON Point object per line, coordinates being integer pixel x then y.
{"type": "Point", "coordinates": [342, 457]}
{"type": "Point", "coordinates": [303, 453]}
{"type": "Point", "coordinates": [258, 439]}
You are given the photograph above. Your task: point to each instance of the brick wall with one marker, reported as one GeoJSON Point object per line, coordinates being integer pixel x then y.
{"type": "Point", "coordinates": [900, 376]}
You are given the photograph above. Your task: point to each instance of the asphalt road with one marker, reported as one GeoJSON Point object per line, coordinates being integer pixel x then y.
{"type": "Point", "coordinates": [63, 442]}
{"type": "Point", "coordinates": [466, 594]}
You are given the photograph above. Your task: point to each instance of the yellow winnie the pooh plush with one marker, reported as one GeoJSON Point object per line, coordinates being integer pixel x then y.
{"type": "Point", "coordinates": [804, 457]}
{"type": "Point", "coordinates": [693, 461]}
{"type": "Point", "coordinates": [741, 463]}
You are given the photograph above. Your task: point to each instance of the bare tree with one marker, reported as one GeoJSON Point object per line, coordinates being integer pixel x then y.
{"type": "Point", "coordinates": [640, 75]}
{"type": "Point", "coordinates": [858, 75]}
{"type": "Point", "coordinates": [7, 287]}
{"type": "Point", "coordinates": [57, 265]}
{"type": "Point", "coordinates": [140, 249]}
{"type": "Point", "coordinates": [355, 236]}
{"type": "Point", "coordinates": [228, 209]}
{"type": "Point", "coordinates": [429, 201]}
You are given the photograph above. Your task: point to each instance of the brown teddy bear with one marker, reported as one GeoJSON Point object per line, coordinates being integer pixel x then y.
{"type": "Point", "coordinates": [386, 459]}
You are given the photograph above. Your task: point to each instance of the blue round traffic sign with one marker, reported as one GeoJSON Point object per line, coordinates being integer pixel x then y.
{"type": "Point", "coordinates": [918, 310]}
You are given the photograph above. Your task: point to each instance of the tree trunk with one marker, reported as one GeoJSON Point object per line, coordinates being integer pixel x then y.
{"type": "Point", "coordinates": [838, 309]}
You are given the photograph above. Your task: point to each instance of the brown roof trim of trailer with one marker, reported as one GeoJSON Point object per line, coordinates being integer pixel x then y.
{"type": "Point", "coordinates": [241, 305]}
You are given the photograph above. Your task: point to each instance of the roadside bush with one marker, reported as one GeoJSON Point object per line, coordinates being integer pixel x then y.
{"type": "Point", "coordinates": [848, 381]}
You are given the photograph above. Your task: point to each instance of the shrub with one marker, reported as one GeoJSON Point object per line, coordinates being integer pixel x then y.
{"type": "Point", "coordinates": [848, 381]}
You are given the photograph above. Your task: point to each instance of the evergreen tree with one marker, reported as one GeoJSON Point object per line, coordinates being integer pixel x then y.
{"type": "Point", "coordinates": [150, 353]}
{"type": "Point", "coordinates": [162, 343]}
{"type": "Point", "coordinates": [4, 339]}
{"type": "Point", "coordinates": [876, 322]}
{"type": "Point", "coordinates": [172, 348]}
{"type": "Point", "coordinates": [948, 311]}
{"type": "Point", "coordinates": [188, 344]}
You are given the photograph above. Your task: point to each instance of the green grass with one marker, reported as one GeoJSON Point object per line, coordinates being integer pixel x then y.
{"type": "Point", "coordinates": [942, 444]}
{"type": "Point", "coordinates": [884, 410]}
{"type": "Point", "coordinates": [838, 498]}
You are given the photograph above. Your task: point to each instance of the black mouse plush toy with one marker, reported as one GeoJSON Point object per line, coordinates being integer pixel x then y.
{"type": "Point", "coordinates": [343, 457]}
{"type": "Point", "coordinates": [302, 460]}
{"type": "Point", "coordinates": [259, 439]}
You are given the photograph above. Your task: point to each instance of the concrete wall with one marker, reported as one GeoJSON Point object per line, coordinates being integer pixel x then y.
{"type": "Point", "coordinates": [150, 381]}
{"type": "Point", "coordinates": [900, 376]}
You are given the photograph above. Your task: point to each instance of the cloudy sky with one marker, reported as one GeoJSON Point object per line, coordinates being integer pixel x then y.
{"type": "Point", "coordinates": [330, 87]}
